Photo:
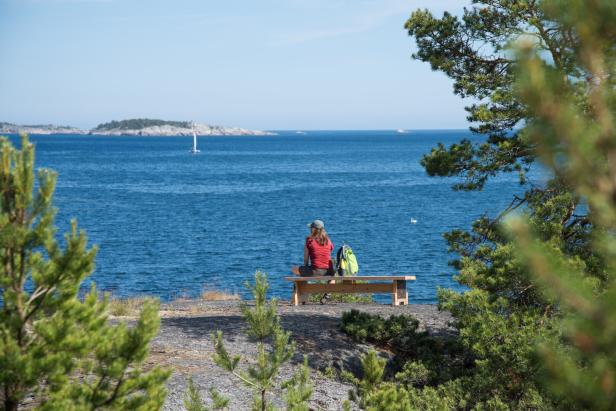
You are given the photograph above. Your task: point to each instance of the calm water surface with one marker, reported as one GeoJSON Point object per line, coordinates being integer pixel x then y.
{"type": "Point", "coordinates": [169, 223]}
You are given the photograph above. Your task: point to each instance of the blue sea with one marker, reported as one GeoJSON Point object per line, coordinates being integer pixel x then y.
{"type": "Point", "coordinates": [172, 224]}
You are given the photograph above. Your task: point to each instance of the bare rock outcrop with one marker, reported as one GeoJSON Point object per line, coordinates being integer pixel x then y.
{"type": "Point", "coordinates": [184, 344]}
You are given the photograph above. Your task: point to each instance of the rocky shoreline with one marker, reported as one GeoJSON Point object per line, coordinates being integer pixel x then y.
{"type": "Point", "coordinates": [184, 345]}
{"type": "Point", "coordinates": [151, 131]}
{"type": "Point", "coordinates": [170, 131]}
{"type": "Point", "coordinates": [46, 129]}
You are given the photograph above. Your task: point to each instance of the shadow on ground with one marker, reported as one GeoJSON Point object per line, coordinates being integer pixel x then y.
{"type": "Point", "coordinates": [317, 336]}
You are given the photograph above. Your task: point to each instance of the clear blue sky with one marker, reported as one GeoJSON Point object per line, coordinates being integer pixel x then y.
{"type": "Point", "coordinates": [265, 64]}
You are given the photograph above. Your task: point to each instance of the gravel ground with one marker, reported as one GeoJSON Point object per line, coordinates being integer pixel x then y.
{"type": "Point", "coordinates": [184, 344]}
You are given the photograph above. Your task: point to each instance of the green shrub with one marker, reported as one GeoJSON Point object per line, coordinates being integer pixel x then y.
{"type": "Point", "coordinates": [373, 328]}
{"type": "Point", "coordinates": [439, 359]}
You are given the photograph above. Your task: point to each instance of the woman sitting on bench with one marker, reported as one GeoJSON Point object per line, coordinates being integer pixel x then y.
{"type": "Point", "coordinates": [317, 253]}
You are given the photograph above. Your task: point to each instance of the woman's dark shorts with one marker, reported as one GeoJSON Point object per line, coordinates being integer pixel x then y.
{"type": "Point", "coordinates": [308, 271]}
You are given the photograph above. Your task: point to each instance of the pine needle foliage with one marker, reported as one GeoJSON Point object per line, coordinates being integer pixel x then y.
{"type": "Point", "coordinates": [373, 368]}
{"type": "Point", "coordinates": [55, 347]}
{"type": "Point", "coordinates": [574, 129]}
{"type": "Point", "coordinates": [299, 389]}
{"type": "Point", "coordinates": [420, 359]}
{"type": "Point", "coordinates": [193, 401]}
{"type": "Point", "coordinates": [538, 323]}
{"type": "Point", "coordinates": [274, 348]}
{"type": "Point", "coordinates": [376, 329]}
{"type": "Point", "coordinates": [261, 319]}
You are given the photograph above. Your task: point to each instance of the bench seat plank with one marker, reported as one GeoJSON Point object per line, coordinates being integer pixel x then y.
{"type": "Point", "coordinates": [353, 278]}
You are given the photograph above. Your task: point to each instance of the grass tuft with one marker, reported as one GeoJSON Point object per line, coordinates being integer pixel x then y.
{"type": "Point", "coordinates": [213, 295]}
{"type": "Point", "coordinates": [127, 307]}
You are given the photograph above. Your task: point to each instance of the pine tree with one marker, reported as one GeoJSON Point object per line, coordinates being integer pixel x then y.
{"type": "Point", "coordinates": [574, 130]}
{"type": "Point", "coordinates": [538, 323]}
{"type": "Point", "coordinates": [373, 369]}
{"type": "Point", "coordinates": [264, 326]}
{"type": "Point", "coordinates": [54, 346]}
{"type": "Point", "coordinates": [505, 314]}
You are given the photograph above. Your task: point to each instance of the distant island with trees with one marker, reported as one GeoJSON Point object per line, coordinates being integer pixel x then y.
{"type": "Point", "coordinates": [136, 127]}
{"type": "Point", "coordinates": [139, 123]}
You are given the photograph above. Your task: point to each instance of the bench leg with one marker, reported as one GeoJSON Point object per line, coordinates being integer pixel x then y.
{"type": "Point", "coordinates": [296, 294]}
{"type": "Point", "coordinates": [403, 294]}
{"type": "Point", "coordinates": [394, 293]}
{"type": "Point", "coordinates": [299, 295]}
{"type": "Point", "coordinates": [304, 297]}
{"type": "Point", "coordinates": [400, 294]}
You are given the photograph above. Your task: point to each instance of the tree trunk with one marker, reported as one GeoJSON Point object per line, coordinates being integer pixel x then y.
{"type": "Point", "coordinates": [10, 403]}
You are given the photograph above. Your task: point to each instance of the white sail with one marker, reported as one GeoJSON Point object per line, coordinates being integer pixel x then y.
{"type": "Point", "coordinates": [194, 149]}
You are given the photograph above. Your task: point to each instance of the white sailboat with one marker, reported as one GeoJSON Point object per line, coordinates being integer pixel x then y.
{"type": "Point", "coordinates": [194, 149]}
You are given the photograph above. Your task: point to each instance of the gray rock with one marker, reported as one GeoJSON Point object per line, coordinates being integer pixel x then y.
{"type": "Point", "coordinates": [184, 344]}
{"type": "Point", "coordinates": [169, 130]}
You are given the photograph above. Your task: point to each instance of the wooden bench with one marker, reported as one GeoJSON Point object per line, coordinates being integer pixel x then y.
{"type": "Point", "coordinates": [390, 284]}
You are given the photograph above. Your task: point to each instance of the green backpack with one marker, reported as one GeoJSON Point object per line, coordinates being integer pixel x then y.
{"type": "Point", "coordinates": [346, 262]}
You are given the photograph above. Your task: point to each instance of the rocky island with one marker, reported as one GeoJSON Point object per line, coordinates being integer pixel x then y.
{"type": "Point", "coordinates": [136, 127]}
{"type": "Point", "coordinates": [153, 127]}
{"type": "Point", "coordinates": [10, 128]}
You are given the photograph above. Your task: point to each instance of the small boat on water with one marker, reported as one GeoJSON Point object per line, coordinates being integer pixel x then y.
{"type": "Point", "coordinates": [194, 149]}
{"type": "Point", "coordinates": [401, 131]}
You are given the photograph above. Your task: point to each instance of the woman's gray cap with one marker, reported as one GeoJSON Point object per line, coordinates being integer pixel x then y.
{"type": "Point", "coordinates": [316, 224]}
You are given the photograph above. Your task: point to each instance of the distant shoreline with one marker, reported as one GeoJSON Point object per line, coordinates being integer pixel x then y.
{"type": "Point", "coordinates": [143, 127]}
{"type": "Point", "coordinates": [134, 127]}
{"type": "Point", "coordinates": [306, 132]}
